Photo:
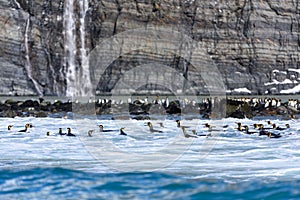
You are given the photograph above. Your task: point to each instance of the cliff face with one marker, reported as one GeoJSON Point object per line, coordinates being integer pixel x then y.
{"type": "Point", "coordinates": [254, 43]}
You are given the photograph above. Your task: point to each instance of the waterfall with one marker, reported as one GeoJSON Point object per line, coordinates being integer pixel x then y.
{"type": "Point", "coordinates": [76, 68]}
{"type": "Point", "coordinates": [86, 84]}
{"type": "Point", "coordinates": [28, 65]}
{"type": "Point", "coordinates": [70, 47]}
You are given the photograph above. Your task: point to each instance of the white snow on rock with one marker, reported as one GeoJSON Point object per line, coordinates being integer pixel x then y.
{"type": "Point", "coordinates": [286, 81]}
{"type": "Point", "coordinates": [241, 90]}
{"type": "Point", "coordinates": [294, 90]}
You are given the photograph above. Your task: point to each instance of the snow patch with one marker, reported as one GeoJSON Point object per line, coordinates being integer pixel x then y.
{"type": "Point", "coordinates": [294, 70]}
{"type": "Point", "coordinates": [286, 81]}
{"type": "Point", "coordinates": [294, 90]}
{"type": "Point", "coordinates": [241, 90]}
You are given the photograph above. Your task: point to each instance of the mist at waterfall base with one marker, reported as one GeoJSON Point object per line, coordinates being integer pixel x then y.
{"type": "Point", "coordinates": [238, 166]}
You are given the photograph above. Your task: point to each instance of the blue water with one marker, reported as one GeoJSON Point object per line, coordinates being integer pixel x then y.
{"type": "Point", "coordinates": [233, 166]}
{"type": "Point", "coordinates": [60, 183]}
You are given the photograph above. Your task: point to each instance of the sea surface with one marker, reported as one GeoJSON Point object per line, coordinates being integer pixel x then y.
{"type": "Point", "coordinates": [227, 164]}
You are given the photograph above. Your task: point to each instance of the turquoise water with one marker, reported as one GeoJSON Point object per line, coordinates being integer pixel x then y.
{"type": "Point", "coordinates": [227, 165]}
{"type": "Point", "coordinates": [60, 183]}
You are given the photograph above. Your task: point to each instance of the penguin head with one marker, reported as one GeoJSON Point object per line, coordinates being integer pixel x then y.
{"type": "Point", "coordinates": [178, 123]}
{"type": "Point", "coordinates": [9, 127]}
{"type": "Point", "coordinates": [149, 124]}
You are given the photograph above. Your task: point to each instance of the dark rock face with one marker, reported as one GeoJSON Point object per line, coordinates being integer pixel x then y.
{"type": "Point", "coordinates": [253, 43]}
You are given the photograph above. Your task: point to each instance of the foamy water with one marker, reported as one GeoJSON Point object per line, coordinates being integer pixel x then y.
{"type": "Point", "coordinates": [227, 156]}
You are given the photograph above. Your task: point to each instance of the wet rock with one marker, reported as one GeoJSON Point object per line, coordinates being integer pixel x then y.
{"type": "Point", "coordinates": [174, 107]}
{"type": "Point", "coordinates": [9, 114]}
{"type": "Point", "coordinates": [41, 114]}
{"type": "Point", "coordinates": [237, 114]}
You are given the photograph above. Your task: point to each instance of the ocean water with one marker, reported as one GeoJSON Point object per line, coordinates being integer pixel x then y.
{"type": "Point", "coordinates": [143, 165]}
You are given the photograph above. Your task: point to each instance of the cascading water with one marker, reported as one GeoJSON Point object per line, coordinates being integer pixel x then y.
{"type": "Point", "coordinates": [86, 84]}
{"type": "Point", "coordinates": [28, 65]}
{"type": "Point", "coordinates": [70, 47]}
{"type": "Point", "coordinates": [76, 70]}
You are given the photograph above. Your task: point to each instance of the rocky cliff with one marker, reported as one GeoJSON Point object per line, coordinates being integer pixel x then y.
{"type": "Point", "coordinates": [254, 43]}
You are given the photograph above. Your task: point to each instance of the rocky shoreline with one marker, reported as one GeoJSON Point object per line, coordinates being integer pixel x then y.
{"type": "Point", "coordinates": [207, 108]}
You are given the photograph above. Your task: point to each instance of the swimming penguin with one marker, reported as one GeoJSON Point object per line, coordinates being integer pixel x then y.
{"type": "Point", "coordinates": [48, 133]}
{"type": "Point", "coordinates": [69, 133]}
{"type": "Point", "coordinates": [210, 127]}
{"type": "Point", "coordinates": [275, 127]}
{"type": "Point", "coordinates": [186, 134]}
{"type": "Point", "coordinates": [247, 130]}
{"type": "Point", "coordinates": [240, 127]}
{"type": "Point", "coordinates": [273, 135]}
{"type": "Point", "coordinates": [161, 124]}
{"type": "Point", "coordinates": [195, 133]}
{"type": "Point", "coordinates": [102, 130]}
{"type": "Point", "coordinates": [60, 132]}
{"type": "Point", "coordinates": [9, 127]}
{"type": "Point", "coordinates": [179, 125]}
{"type": "Point", "coordinates": [29, 125]}
{"type": "Point", "coordinates": [152, 130]}
{"type": "Point", "coordinates": [24, 130]}
{"type": "Point", "coordinates": [90, 133]}
{"type": "Point", "coordinates": [269, 134]}
{"type": "Point", "coordinates": [122, 131]}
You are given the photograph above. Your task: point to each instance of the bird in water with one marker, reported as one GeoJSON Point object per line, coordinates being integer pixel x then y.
{"type": "Point", "coordinates": [122, 131]}
{"type": "Point", "coordinates": [195, 133]}
{"type": "Point", "coordinates": [24, 130]}
{"type": "Point", "coordinates": [186, 134]}
{"type": "Point", "coordinates": [240, 127]}
{"type": "Point", "coordinates": [247, 130]}
{"type": "Point", "coordinates": [101, 129]}
{"type": "Point", "coordinates": [9, 127]}
{"type": "Point", "coordinates": [161, 124]}
{"type": "Point", "coordinates": [60, 132]}
{"type": "Point", "coordinates": [179, 125]}
{"type": "Point", "coordinates": [29, 125]}
{"type": "Point", "coordinates": [90, 133]}
{"type": "Point", "coordinates": [69, 133]}
{"type": "Point", "coordinates": [152, 130]}
{"type": "Point", "coordinates": [269, 134]}
{"type": "Point", "coordinates": [275, 127]}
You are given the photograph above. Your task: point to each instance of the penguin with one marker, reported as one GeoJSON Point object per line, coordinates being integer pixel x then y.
{"type": "Point", "coordinates": [152, 130]}
{"type": "Point", "coordinates": [24, 130]}
{"type": "Point", "coordinates": [122, 131]}
{"type": "Point", "coordinates": [279, 128]}
{"type": "Point", "coordinates": [60, 132]}
{"type": "Point", "coordinates": [102, 130]}
{"type": "Point", "coordinates": [240, 127]}
{"type": "Point", "coordinates": [69, 133]}
{"type": "Point", "coordinates": [269, 134]}
{"type": "Point", "coordinates": [195, 133]}
{"type": "Point", "coordinates": [9, 127]}
{"type": "Point", "coordinates": [161, 124]}
{"type": "Point", "coordinates": [179, 125]}
{"type": "Point", "coordinates": [90, 133]}
{"type": "Point", "coordinates": [247, 130]}
{"type": "Point", "coordinates": [186, 135]}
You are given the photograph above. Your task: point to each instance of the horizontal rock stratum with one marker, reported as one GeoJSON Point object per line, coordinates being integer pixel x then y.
{"type": "Point", "coordinates": [254, 45]}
